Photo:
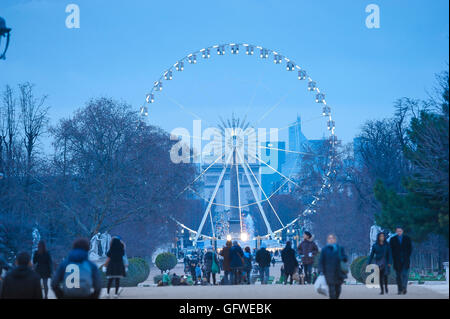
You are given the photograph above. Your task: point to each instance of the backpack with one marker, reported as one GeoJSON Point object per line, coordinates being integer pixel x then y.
{"type": "Point", "coordinates": [78, 281]}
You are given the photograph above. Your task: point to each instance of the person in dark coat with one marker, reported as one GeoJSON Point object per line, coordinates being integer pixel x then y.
{"type": "Point", "coordinates": [330, 260]}
{"type": "Point", "coordinates": [263, 259]}
{"type": "Point", "coordinates": [42, 262]}
{"type": "Point", "coordinates": [307, 250]}
{"type": "Point", "coordinates": [78, 255]}
{"type": "Point", "coordinates": [115, 268]}
{"type": "Point", "coordinates": [381, 254]}
{"type": "Point", "coordinates": [207, 264]}
{"type": "Point", "coordinates": [22, 282]}
{"type": "Point", "coordinates": [248, 259]}
{"type": "Point", "coordinates": [290, 263]}
{"type": "Point", "coordinates": [236, 263]}
{"type": "Point", "coordinates": [401, 249]}
{"type": "Point", "coordinates": [225, 253]}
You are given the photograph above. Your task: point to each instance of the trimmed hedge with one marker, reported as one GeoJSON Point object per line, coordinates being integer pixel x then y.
{"type": "Point", "coordinates": [138, 271]}
{"type": "Point", "coordinates": [358, 271]}
{"type": "Point", "coordinates": [166, 261]}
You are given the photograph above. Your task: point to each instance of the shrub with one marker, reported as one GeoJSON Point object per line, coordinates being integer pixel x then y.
{"type": "Point", "coordinates": [138, 271]}
{"type": "Point", "coordinates": [165, 261]}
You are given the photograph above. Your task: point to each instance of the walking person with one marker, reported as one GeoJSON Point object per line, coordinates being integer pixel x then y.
{"type": "Point", "coordinates": [226, 263]}
{"type": "Point", "coordinates": [115, 267]}
{"type": "Point", "coordinates": [331, 257]}
{"type": "Point", "coordinates": [248, 259]}
{"type": "Point", "coordinates": [89, 285]}
{"type": "Point", "coordinates": [290, 263]}
{"type": "Point", "coordinates": [22, 282]}
{"type": "Point", "coordinates": [263, 260]}
{"type": "Point", "coordinates": [381, 254]}
{"type": "Point", "coordinates": [401, 249]}
{"type": "Point", "coordinates": [236, 263]}
{"type": "Point", "coordinates": [308, 251]}
{"type": "Point", "coordinates": [211, 264]}
{"type": "Point", "coordinates": [42, 262]}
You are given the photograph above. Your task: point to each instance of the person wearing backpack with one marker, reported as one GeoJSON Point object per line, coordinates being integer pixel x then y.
{"type": "Point", "coordinates": [211, 265]}
{"type": "Point", "coordinates": [332, 257]}
{"type": "Point", "coordinates": [77, 277]}
{"type": "Point", "coordinates": [42, 262]}
{"type": "Point", "coordinates": [115, 267]}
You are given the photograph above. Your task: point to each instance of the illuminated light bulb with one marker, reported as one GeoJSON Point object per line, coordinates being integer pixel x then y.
{"type": "Point", "coordinates": [229, 237]}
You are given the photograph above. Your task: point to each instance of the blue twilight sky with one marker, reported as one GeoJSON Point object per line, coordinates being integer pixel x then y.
{"type": "Point", "coordinates": [122, 47]}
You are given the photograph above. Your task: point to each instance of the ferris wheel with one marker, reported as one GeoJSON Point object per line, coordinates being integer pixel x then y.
{"type": "Point", "coordinates": [237, 157]}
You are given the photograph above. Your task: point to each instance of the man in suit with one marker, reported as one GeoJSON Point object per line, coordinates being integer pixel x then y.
{"type": "Point", "coordinates": [401, 248]}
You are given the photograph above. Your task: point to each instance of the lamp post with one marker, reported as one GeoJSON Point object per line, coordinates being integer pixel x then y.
{"type": "Point", "coordinates": [4, 32]}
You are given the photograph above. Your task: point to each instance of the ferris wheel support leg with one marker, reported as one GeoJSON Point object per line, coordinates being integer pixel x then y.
{"type": "Point", "coordinates": [208, 208]}
{"type": "Point", "coordinates": [252, 187]}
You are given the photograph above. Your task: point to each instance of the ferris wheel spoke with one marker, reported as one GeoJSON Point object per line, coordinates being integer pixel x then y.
{"type": "Point", "coordinates": [255, 195]}
{"type": "Point", "coordinates": [208, 208]}
{"type": "Point", "coordinates": [264, 193]}
{"type": "Point", "coordinates": [275, 170]}
{"type": "Point", "coordinates": [289, 151]}
{"type": "Point", "coordinates": [201, 174]}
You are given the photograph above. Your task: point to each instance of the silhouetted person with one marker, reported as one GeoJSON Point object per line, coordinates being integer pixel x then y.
{"type": "Point", "coordinates": [22, 282]}
{"type": "Point", "coordinates": [42, 262]}
{"type": "Point", "coordinates": [290, 263]}
{"type": "Point", "coordinates": [331, 257]}
{"type": "Point", "coordinates": [401, 248]}
{"type": "Point", "coordinates": [263, 260]}
{"type": "Point", "coordinates": [307, 250]}
{"type": "Point", "coordinates": [381, 254]}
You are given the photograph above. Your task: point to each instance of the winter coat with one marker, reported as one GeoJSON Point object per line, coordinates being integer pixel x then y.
{"type": "Point", "coordinates": [207, 260]}
{"type": "Point", "coordinates": [263, 258]}
{"type": "Point", "coordinates": [21, 283]}
{"type": "Point", "coordinates": [381, 255]}
{"type": "Point", "coordinates": [76, 256]}
{"type": "Point", "coordinates": [115, 267]}
{"type": "Point", "coordinates": [248, 261]}
{"type": "Point", "coordinates": [306, 248]}
{"type": "Point", "coordinates": [225, 253]}
{"type": "Point", "coordinates": [43, 264]}
{"type": "Point", "coordinates": [289, 260]}
{"type": "Point", "coordinates": [401, 252]}
{"type": "Point", "coordinates": [236, 257]}
{"type": "Point", "coordinates": [330, 264]}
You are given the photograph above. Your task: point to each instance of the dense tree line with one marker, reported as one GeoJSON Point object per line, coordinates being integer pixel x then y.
{"type": "Point", "coordinates": [108, 171]}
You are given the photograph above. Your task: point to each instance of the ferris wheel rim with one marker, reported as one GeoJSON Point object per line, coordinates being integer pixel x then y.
{"type": "Point", "coordinates": [291, 65]}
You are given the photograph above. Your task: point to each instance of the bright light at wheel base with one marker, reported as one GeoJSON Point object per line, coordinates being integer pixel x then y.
{"type": "Point", "coordinates": [228, 237]}
{"type": "Point", "coordinates": [244, 236]}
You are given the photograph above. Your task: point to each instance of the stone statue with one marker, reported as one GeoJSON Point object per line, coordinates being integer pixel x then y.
{"type": "Point", "coordinates": [94, 253]}
{"type": "Point", "coordinates": [36, 239]}
{"type": "Point", "coordinates": [105, 240]}
{"type": "Point", "coordinates": [374, 231]}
